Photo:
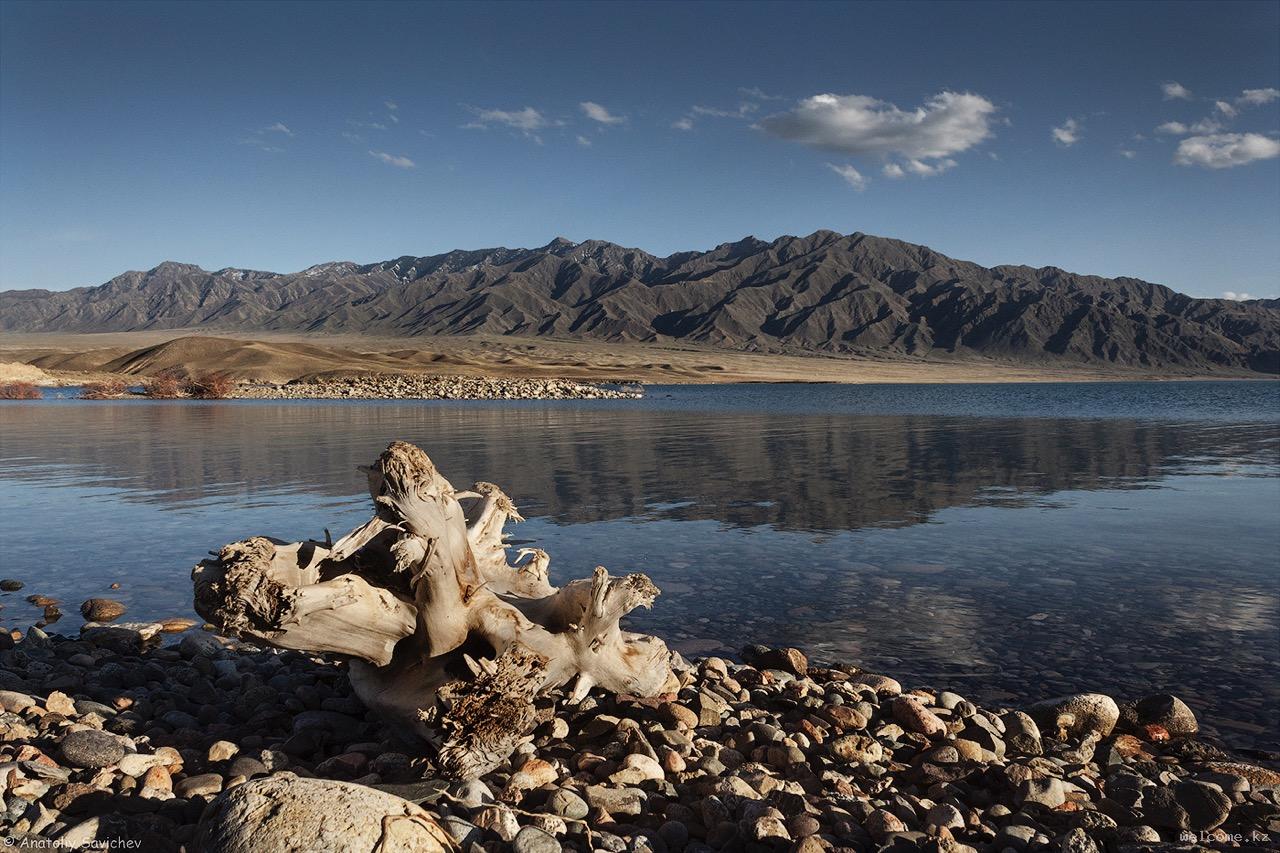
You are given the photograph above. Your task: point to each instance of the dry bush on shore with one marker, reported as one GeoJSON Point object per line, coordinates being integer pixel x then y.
{"type": "Point", "coordinates": [162, 387]}
{"type": "Point", "coordinates": [20, 391]}
{"type": "Point", "coordinates": [102, 390]}
{"type": "Point", "coordinates": [210, 386]}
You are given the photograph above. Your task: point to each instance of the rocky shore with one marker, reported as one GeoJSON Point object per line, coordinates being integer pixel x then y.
{"type": "Point", "coordinates": [111, 738]}
{"type": "Point", "coordinates": [386, 386]}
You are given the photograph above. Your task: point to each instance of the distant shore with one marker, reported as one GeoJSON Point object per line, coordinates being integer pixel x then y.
{"type": "Point", "coordinates": [276, 359]}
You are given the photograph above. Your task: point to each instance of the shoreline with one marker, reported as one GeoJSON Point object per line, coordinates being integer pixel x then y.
{"type": "Point", "coordinates": [775, 754]}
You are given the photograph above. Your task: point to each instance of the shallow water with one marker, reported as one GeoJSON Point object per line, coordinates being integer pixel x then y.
{"type": "Point", "coordinates": [1002, 540]}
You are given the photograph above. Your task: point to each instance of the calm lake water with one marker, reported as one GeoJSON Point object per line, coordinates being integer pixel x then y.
{"type": "Point", "coordinates": [1007, 541]}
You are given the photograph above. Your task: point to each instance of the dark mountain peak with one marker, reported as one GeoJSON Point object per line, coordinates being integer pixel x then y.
{"type": "Point", "coordinates": [174, 268]}
{"type": "Point", "coordinates": [855, 294]}
{"type": "Point", "coordinates": [558, 246]}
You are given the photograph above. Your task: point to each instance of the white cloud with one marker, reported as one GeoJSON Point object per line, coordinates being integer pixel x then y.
{"type": "Point", "coordinates": [1175, 91]}
{"type": "Point", "coordinates": [393, 160]}
{"type": "Point", "coordinates": [1257, 97]}
{"type": "Point", "coordinates": [583, 141]}
{"type": "Point", "coordinates": [759, 94]}
{"type": "Point", "coordinates": [278, 127]}
{"type": "Point", "coordinates": [893, 170]}
{"type": "Point", "coordinates": [743, 111]}
{"type": "Point", "coordinates": [1068, 133]}
{"type": "Point", "coordinates": [1225, 150]}
{"type": "Point", "coordinates": [928, 170]}
{"type": "Point", "coordinates": [391, 105]}
{"type": "Point", "coordinates": [1128, 153]}
{"type": "Point", "coordinates": [1206, 125]}
{"type": "Point", "coordinates": [1176, 128]}
{"type": "Point", "coordinates": [1235, 297]}
{"type": "Point", "coordinates": [946, 124]}
{"type": "Point", "coordinates": [1226, 109]}
{"type": "Point", "coordinates": [683, 123]}
{"type": "Point", "coordinates": [595, 112]}
{"type": "Point", "coordinates": [851, 176]}
{"type": "Point", "coordinates": [528, 120]}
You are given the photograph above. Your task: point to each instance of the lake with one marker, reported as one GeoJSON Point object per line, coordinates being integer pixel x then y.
{"type": "Point", "coordinates": [1010, 542]}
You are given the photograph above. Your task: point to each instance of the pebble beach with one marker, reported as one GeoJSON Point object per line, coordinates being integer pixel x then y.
{"type": "Point", "coordinates": [128, 734]}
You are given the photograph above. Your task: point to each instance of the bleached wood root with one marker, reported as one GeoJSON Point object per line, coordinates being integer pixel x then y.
{"type": "Point", "coordinates": [446, 637]}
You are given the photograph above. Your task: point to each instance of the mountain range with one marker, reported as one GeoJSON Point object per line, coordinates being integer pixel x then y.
{"type": "Point", "coordinates": [826, 293]}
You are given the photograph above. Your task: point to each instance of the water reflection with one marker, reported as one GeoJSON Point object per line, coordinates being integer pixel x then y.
{"type": "Point", "coordinates": [1007, 556]}
{"type": "Point", "coordinates": [578, 464]}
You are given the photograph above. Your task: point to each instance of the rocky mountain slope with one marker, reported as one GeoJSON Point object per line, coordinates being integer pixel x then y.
{"type": "Point", "coordinates": [825, 293]}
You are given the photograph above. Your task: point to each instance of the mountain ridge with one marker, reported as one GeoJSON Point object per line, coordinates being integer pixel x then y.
{"type": "Point", "coordinates": [826, 293]}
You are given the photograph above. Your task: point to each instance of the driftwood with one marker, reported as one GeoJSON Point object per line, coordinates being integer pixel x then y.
{"type": "Point", "coordinates": [445, 637]}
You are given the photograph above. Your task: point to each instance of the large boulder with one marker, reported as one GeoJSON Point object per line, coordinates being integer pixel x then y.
{"type": "Point", "coordinates": [288, 814]}
{"type": "Point", "coordinates": [1078, 715]}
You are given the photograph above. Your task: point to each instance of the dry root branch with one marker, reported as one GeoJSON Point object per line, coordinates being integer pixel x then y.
{"type": "Point", "coordinates": [446, 637]}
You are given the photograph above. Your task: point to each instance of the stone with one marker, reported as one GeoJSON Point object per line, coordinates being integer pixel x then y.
{"type": "Point", "coordinates": [859, 749]}
{"type": "Point", "coordinates": [1050, 792]}
{"type": "Point", "coordinates": [15, 702]}
{"type": "Point", "coordinates": [92, 749]}
{"type": "Point", "coordinates": [499, 820]}
{"type": "Point", "coordinates": [136, 764]}
{"type": "Point", "coordinates": [913, 716]}
{"type": "Point", "coordinates": [944, 816]}
{"type": "Point", "coordinates": [1206, 806]}
{"type": "Point", "coordinates": [101, 610]}
{"type": "Point", "coordinates": [157, 779]}
{"type": "Point", "coordinates": [60, 703]}
{"type": "Point", "coordinates": [883, 685]}
{"type": "Point", "coordinates": [672, 712]}
{"type": "Point", "coordinates": [566, 803]}
{"type": "Point", "coordinates": [616, 801]}
{"type": "Point", "coordinates": [534, 773]}
{"type": "Point", "coordinates": [788, 660]}
{"type": "Point", "coordinates": [881, 823]}
{"type": "Point", "coordinates": [642, 767]}
{"type": "Point", "coordinates": [1088, 712]}
{"type": "Point", "coordinates": [769, 828]}
{"type": "Point", "coordinates": [1169, 712]}
{"type": "Point", "coordinates": [11, 585]}
{"type": "Point", "coordinates": [1021, 734]}
{"type": "Point", "coordinates": [203, 785]}
{"type": "Point", "coordinates": [844, 718]}
{"type": "Point", "coordinates": [711, 709]}
{"type": "Point", "coordinates": [1078, 841]}
{"type": "Point", "coordinates": [463, 832]}
{"type": "Point", "coordinates": [222, 750]}
{"type": "Point", "coordinates": [288, 814]}
{"type": "Point", "coordinates": [530, 839]}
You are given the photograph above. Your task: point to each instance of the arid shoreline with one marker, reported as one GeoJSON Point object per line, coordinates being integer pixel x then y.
{"type": "Point", "coordinates": [66, 359]}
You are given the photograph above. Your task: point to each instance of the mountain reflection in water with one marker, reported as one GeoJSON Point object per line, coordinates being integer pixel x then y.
{"type": "Point", "coordinates": [1120, 544]}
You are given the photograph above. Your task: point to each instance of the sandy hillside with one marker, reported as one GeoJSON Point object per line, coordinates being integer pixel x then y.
{"type": "Point", "coordinates": [281, 358]}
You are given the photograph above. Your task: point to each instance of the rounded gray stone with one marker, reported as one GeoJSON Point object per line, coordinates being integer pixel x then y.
{"type": "Point", "coordinates": [91, 749]}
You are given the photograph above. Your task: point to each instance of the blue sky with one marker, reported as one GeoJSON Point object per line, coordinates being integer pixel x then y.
{"type": "Point", "coordinates": [275, 136]}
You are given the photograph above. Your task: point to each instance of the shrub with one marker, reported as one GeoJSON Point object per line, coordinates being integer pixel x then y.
{"type": "Point", "coordinates": [20, 391]}
{"type": "Point", "coordinates": [162, 387]}
{"type": "Point", "coordinates": [102, 390]}
{"type": "Point", "coordinates": [210, 386]}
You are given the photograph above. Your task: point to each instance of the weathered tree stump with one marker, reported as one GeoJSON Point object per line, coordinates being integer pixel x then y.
{"type": "Point", "coordinates": [446, 638]}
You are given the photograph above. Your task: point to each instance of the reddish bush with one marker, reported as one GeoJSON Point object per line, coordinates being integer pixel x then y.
{"type": "Point", "coordinates": [102, 390]}
{"type": "Point", "coordinates": [210, 386]}
{"type": "Point", "coordinates": [162, 387]}
{"type": "Point", "coordinates": [20, 391]}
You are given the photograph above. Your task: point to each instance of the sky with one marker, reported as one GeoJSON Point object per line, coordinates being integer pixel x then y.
{"type": "Point", "coordinates": [1107, 138]}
